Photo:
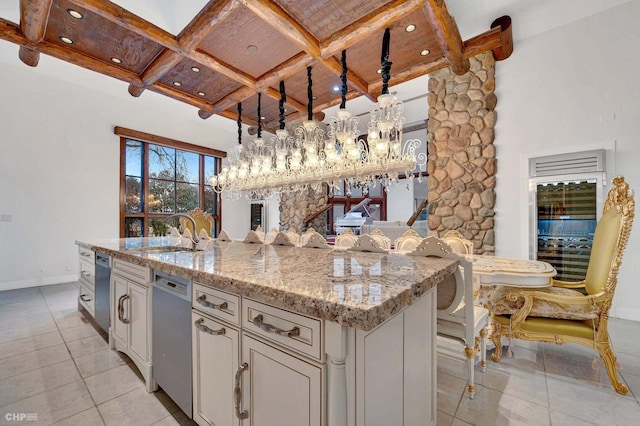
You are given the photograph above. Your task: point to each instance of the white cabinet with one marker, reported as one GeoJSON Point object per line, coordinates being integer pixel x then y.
{"type": "Point", "coordinates": [269, 385]}
{"type": "Point", "coordinates": [130, 331]}
{"type": "Point", "coordinates": [215, 361]}
{"type": "Point", "coordinates": [86, 280]}
{"type": "Point", "coordinates": [259, 365]}
{"type": "Point", "coordinates": [280, 388]}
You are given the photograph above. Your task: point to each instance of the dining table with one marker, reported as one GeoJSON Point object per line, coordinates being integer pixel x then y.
{"type": "Point", "coordinates": [490, 272]}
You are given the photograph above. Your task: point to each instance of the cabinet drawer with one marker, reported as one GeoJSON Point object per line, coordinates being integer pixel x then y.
{"type": "Point", "coordinates": [87, 272]}
{"type": "Point", "coordinates": [86, 254]}
{"type": "Point", "coordinates": [294, 331]}
{"type": "Point", "coordinates": [86, 297]}
{"type": "Point", "coordinates": [137, 273]}
{"type": "Point", "coordinates": [212, 302]}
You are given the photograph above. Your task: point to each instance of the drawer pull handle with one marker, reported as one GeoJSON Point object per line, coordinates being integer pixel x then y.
{"type": "Point", "coordinates": [121, 309]}
{"type": "Point", "coordinates": [203, 301]}
{"type": "Point", "coordinates": [259, 322]}
{"type": "Point", "coordinates": [84, 254]}
{"type": "Point", "coordinates": [85, 273]}
{"type": "Point", "coordinates": [84, 298]}
{"type": "Point", "coordinates": [237, 393]}
{"type": "Point", "coordinates": [201, 327]}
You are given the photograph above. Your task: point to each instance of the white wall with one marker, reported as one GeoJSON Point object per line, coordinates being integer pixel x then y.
{"type": "Point", "coordinates": [59, 164]}
{"type": "Point", "coordinates": [570, 89]}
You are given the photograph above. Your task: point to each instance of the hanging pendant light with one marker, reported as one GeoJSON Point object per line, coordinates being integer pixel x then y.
{"type": "Point", "coordinates": [289, 164]}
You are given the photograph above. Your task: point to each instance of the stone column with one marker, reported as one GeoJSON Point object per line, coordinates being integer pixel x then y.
{"type": "Point", "coordinates": [295, 207]}
{"type": "Point", "coordinates": [462, 157]}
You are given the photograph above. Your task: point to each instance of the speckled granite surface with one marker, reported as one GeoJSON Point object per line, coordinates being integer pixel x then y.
{"type": "Point", "coordinates": [355, 289]}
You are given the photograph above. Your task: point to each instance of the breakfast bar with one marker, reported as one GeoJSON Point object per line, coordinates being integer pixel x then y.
{"type": "Point", "coordinates": [293, 334]}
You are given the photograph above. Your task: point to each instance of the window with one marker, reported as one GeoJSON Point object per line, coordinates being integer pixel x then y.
{"type": "Point", "coordinates": [160, 177]}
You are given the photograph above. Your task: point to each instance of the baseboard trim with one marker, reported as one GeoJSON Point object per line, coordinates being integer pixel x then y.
{"type": "Point", "coordinates": [33, 282]}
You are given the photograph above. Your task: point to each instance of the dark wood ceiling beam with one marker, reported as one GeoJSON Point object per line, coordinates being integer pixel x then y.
{"type": "Point", "coordinates": [207, 19]}
{"type": "Point", "coordinates": [271, 13]}
{"type": "Point", "coordinates": [411, 73]}
{"type": "Point", "coordinates": [131, 22]}
{"type": "Point", "coordinates": [302, 108]}
{"type": "Point", "coordinates": [199, 27]}
{"type": "Point", "coordinates": [484, 42]}
{"type": "Point", "coordinates": [447, 34]}
{"type": "Point", "coordinates": [34, 15]}
{"type": "Point", "coordinates": [233, 98]}
{"type": "Point", "coordinates": [11, 32]}
{"type": "Point", "coordinates": [196, 102]}
{"type": "Point", "coordinates": [353, 79]}
{"type": "Point", "coordinates": [336, 101]}
{"type": "Point", "coordinates": [368, 25]}
{"type": "Point", "coordinates": [285, 70]}
{"type": "Point", "coordinates": [225, 69]}
{"type": "Point", "coordinates": [506, 38]}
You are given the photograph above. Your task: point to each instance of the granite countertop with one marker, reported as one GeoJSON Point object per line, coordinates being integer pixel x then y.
{"type": "Point", "coordinates": [354, 289]}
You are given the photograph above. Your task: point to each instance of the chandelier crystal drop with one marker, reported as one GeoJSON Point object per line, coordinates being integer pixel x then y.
{"type": "Point", "coordinates": [307, 159]}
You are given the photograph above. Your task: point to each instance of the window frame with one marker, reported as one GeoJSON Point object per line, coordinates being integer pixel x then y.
{"type": "Point", "coordinates": [146, 139]}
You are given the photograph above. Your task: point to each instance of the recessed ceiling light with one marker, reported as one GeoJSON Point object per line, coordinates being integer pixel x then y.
{"type": "Point", "coordinates": [195, 69]}
{"type": "Point", "coordinates": [379, 71]}
{"type": "Point", "coordinates": [261, 118]}
{"type": "Point", "coordinates": [410, 28]}
{"type": "Point", "coordinates": [74, 13]}
{"type": "Point", "coordinates": [116, 60]}
{"type": "Point", "coordinates": [251, 48]}
{"type": "Point", "coordinates": [336, 88]}
{"type": "Point", "coordinates": [425, 52]}
{"type": "Point", "coordinates": [177, 83]}
{"type": "Point", "coordinates": [66, 40]}
{"type": "Point", "coordinates": [202, 94]}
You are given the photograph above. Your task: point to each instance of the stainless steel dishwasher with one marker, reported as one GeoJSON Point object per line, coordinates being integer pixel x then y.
{"type": "Point", "coordinates": [102, 296]}
{"type": "Point", "coordinates": [171, 338]}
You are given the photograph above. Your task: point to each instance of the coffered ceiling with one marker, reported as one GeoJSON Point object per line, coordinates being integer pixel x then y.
{"type": "Point", "coordinates": [231, 50]}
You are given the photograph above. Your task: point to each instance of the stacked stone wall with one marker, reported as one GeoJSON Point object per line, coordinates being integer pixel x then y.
{"type": "Point", "coordinates": [462, 157]}
{"type": "Point", "coordinates": [295, 207]}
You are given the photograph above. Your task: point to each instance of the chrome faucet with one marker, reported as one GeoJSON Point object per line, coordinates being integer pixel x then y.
{"type": "Point", "coordinates": [194, 235]}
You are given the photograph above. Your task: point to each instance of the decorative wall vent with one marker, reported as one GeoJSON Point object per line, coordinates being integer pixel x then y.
{"type": "Point", "coordinates": [564, 164]}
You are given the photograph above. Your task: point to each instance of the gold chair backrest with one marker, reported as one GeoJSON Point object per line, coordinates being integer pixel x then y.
{"type": "Point", "coordinates": [203, 221]}
{"type": "Point", "coordinates": [610, 239]}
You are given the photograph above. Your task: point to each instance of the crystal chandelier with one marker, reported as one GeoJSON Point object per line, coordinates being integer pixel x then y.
{"type": "Point", "coordinates": [306, 159]}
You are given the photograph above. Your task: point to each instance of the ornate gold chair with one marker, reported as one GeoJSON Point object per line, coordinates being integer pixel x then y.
{"type": "Point", "coordinates": [203, 221]}
{"type": "Point", "coordinates": [561, 313]}
{"type": "Point", "coordinates": [456, 317]}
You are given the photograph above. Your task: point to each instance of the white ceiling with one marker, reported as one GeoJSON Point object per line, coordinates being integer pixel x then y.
{"type": "Point", "coordinates": [529, 18]}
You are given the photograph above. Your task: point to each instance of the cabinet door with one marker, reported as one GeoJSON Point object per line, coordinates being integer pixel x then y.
{"type": "Point", "coordinates": [215, 362]}
{"type": "Point", "coordinates": [279, 388]}
{"type": "Point", "coordinates": [136, 313]}
{"type": "Point", "coordinates": [120, 330]}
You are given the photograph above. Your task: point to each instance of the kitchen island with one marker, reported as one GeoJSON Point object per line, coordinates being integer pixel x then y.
{"type": "Point", "coordinates": [354, 331]}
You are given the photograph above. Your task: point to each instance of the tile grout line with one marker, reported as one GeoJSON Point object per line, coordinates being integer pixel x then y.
{"type": "Point", "coordinates": [77, 369]}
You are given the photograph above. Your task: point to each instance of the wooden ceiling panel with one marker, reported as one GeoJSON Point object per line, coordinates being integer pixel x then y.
{"type": "Point", "coordinates": [245, 46]}
{"type": "Point", "coordinates": [323, 18]}
{"type": "Point", "coordinates": [99, 38]}
{"type": "Point", "coordinates": [214, 85]}
{"type": "Point", "coordinates": [404, 49]}
{"type": "Point", "coordinates": [245, 42]}
{"type": "Point", "coordinates": [269, 108]}
{"type": "Point", "coordinates": [323, 81]}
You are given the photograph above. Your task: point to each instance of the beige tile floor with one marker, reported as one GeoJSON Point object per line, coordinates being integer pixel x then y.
{"type": "Point", "coordinates": [55, 365]}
